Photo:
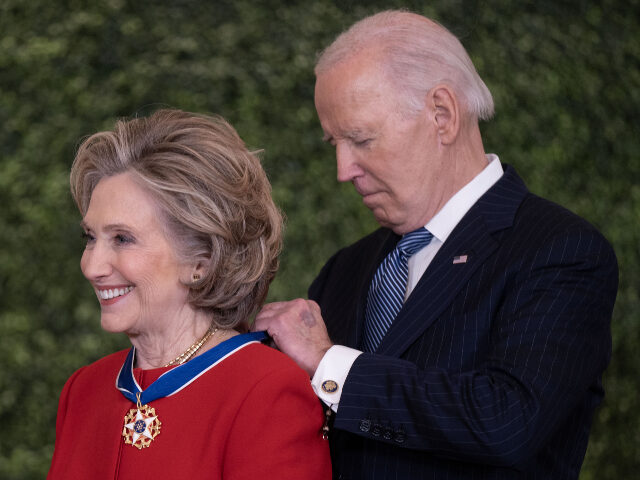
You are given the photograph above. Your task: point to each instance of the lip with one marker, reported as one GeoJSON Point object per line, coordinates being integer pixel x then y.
{"type": "Point", "coordinates": [363, 192]}
{"type": "Point", "coordinates": [120, 292]}
{"type": "Point", "coordinates": [368, 197]}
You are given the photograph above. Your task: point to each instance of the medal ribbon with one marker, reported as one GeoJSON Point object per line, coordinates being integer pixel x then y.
{"type": "Point", "coordinates": [176, 379]}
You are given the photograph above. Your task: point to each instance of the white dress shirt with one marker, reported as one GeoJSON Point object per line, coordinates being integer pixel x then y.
{"type": "Point", "coordinates": [336, 363]}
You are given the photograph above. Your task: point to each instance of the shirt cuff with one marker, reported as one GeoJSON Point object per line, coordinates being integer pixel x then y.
{"type": "Point", "coordinates": [331, 374]}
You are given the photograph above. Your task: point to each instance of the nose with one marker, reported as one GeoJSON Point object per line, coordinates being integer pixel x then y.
{"type": "Point", "coordinates": [348, 168]}
{"type": "Point", "coordinates": [95, 262]}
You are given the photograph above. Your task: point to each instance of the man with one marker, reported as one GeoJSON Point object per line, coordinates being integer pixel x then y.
{"type": "Point", "coordinates": [467, 337]}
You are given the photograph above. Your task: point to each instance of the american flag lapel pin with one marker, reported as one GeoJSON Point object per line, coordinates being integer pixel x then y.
{"type": "Point", "coordinates": [460, 259]}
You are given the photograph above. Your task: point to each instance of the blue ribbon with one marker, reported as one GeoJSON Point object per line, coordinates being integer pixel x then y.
{"type": "Point", "coordinates": [177, 378]}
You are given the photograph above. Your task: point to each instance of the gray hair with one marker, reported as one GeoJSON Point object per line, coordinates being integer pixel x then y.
{"type": "Point", "coordinates": [417, 54]}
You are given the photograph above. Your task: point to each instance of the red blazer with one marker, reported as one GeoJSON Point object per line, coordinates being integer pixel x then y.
{"type": "Point", "coordinates": [254, 415]}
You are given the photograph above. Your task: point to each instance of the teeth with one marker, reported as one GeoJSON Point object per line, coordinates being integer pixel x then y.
{"type": "Point", "coordinates": [112, 293]}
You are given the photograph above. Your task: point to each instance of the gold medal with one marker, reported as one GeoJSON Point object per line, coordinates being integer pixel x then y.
{"type": "Point", "coordinates": [141, 425]}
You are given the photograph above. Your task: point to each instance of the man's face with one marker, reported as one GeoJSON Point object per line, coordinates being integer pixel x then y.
{"type": "Point", "coordinates": [392, 160]}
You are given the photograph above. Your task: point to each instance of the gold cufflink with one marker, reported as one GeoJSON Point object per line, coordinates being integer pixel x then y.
{"type": "Point", "coordinates": [329, 386]}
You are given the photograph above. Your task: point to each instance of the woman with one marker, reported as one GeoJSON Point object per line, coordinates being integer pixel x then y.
{"type": "Point", "coordinates": [182, 243]}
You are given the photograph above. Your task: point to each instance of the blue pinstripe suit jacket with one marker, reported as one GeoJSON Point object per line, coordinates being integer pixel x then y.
{"type": "Point", "coordinates": [492, 369]}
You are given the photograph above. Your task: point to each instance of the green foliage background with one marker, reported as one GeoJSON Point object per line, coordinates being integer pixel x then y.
{"type": "Point", "coordinates": [566, 80]}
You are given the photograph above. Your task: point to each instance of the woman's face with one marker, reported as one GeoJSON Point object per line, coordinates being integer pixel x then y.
{"type": "Point", "coordinates": [130, 262]}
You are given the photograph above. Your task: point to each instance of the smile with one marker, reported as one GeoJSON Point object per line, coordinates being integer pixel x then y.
{"type": "Point", "coordinates": [113, 292]}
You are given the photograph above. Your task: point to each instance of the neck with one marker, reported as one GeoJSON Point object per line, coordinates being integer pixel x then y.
{"type": "Point", "coordinates": [157, 349]}
{"type": "Point", "coordinates": [461, 162]}
{"type": "Point", "coordinates": [466, 157]}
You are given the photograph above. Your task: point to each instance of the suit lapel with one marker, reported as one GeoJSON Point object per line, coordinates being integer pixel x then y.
{"type": "Point", "coordinates": [439, 285]}
{"type": "Point", "coordinates": [443, 279]}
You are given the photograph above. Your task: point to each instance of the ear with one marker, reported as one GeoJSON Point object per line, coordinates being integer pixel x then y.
{"type": "Point", "coordinates": [447, 113]}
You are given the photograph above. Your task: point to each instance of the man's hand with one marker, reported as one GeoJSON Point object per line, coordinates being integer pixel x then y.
{"type": "Point", "coordinates": [297, 328]}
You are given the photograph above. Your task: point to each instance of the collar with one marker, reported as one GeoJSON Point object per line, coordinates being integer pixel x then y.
{"type": "Point", "coordinates": [443, 223]}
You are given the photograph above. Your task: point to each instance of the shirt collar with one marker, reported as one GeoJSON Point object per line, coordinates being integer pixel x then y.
{"type": "Point", "coordinates": [443, 223]}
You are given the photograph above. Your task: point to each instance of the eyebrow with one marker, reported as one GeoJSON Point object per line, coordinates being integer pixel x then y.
{"type": "Point", "coordinates": [351, 134]}
{"type": "Point", "coordinates": [110, 227]}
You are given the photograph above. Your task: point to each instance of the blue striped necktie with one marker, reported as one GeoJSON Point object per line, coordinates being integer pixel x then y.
{"type": "Point", "coordinates": [388, 287]}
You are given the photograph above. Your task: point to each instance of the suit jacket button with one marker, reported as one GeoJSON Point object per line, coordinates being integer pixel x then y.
{"type": "Point", "coordinates": [400, 436]}
{"type": "Point", "coordinates": [365, 425]}
{"type": "Point", "coordinates": [388, 433]}
{"type": "Point", "coordinates": [376, 430]}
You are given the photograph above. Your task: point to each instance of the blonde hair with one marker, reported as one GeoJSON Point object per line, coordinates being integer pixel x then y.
{"type": "Point", "coordinates": [418, 53]}
{"type": "Point", "coordinates": [213, 195]}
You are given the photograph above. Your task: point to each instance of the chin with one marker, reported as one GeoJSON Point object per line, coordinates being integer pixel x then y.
{"type": "Point", "coordinates": [398, 226]}
{"type": "Point", "coordinates": [113, 325]}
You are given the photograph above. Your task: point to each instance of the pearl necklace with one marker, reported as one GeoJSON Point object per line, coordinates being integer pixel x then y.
{"type": "Point", "coordinates": [191, 351]}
